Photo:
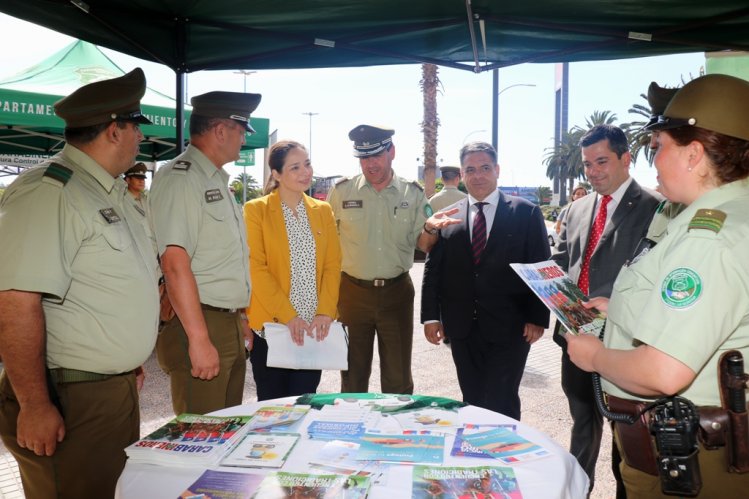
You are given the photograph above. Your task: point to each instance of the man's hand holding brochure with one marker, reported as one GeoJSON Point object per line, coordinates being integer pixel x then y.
{"type": "Point", "coordinates": [330, 353]}
{"type": "Point", "coordinates": [562, 296]}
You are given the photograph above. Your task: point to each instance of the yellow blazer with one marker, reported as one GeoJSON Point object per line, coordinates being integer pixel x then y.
{"type": "Point", "coordinates": [270, 261]}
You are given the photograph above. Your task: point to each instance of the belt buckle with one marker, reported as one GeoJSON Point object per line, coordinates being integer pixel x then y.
{"type": "Point", "coordinates": [378, 283]}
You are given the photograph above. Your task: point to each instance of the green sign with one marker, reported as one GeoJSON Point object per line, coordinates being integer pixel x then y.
{"type": "Point", "coordinates": [246, 158]}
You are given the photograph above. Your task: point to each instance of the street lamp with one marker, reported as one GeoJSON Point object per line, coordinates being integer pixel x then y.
{"type": "Point", "coordinates": [471, 133]}
{"type": "Point", "coordinates": [310, 132]}
{"type": "Point", "coordinates": [495, 103]}
{"type": "Point", "coordinates": [245, 74]}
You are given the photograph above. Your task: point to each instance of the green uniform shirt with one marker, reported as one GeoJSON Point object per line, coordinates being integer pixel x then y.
{"type": "Point", "coordinates": [378, 229]}
{"type": "Point", "coordinates": [447, 196]}
{"type": "Point", "coordinates": [665, 212]}
{"type": "Point", "coordinates": [81, 244]}
{"type": "Point", "coordinates": [689, 296]}
{"type": "Point", "coordinates": [191, 207]}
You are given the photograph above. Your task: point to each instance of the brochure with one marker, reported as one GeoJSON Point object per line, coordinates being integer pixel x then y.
{"type": "Point", "coordinates": [331, 353]}
{"type": "Point", "coordinates": [262, 450]}
{"type": "Point", "coordinates": [339, 456]}
{"type": "Point", "coordinates": [277, 418]}
{"type": "Point", "coordinates": [335, 430]}
{"type": "Point", "coordinates": [213, 484]}
{"type": "Point", "coordinates": [294, 485]}
{"type": "Point", "coordinates": [560, 295]}
{"type": "Point", "coordinates": [481, 481]}
{"type": "Point", "coordinates": [461, 448]}
{"type": "Point", "coordinates": [428, 419]}
{"type": "Point", "coordinates": [190, 440]}
{"type": "Point", "coordinates": [506, 445]}
{"type": "Point", "coordinates": [407, 447]}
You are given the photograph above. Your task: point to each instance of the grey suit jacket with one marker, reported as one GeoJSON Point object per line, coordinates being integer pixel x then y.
{"type": "Point", "coordinates": [629, 223]}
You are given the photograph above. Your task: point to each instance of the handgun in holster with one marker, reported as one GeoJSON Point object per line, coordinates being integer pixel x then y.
{"type": "Point", "coordinates": [733, 384]}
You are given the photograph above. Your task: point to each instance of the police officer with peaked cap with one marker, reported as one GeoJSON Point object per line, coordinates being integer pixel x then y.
{"type": "Point", "coordinates": [675, 310]}
{"type": "Point", "coordinates": [450, 193]}
{"type": "Point", "coordinates": [76, 263]}
{"type": "Point", "coordinates": [380, 219]}
{"type": "Point", "coordinates": [202, 242]}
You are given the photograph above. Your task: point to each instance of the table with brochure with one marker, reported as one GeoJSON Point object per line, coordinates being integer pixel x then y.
{"type": "Point", "coordinates": [366, 445]}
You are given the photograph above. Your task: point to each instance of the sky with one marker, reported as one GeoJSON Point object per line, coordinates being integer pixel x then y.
{"type": "Point", "coordinates": [391, 96]}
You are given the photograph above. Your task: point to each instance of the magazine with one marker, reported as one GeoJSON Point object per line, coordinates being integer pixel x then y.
{"type": "Point", "coordinates": [406, 447]}
{"type": "Point", "coordinates": [461, 448]}
{"type": "Point", "coordinates": [262, 450]}
{"type": "Point", "coordinates": [277, 418]}
{"type": "Point", "coordinates": [213, 484]}
{"type": "Point", "coordinates": [281, 485]}
{"type": "Point", "coordinates": [480, 481]}
{"type": "Point", "coordinates": [506, 445]}
{"type": "Point", "coordinates": [561, 295]}
{"type": "Point", "coordinates": [190, 440]}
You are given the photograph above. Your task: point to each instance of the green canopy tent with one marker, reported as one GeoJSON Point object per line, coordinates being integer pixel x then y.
{"type": "Point", "coordinates": [476, 35]}
{"type": "Point", "coordinates": [30, 131]}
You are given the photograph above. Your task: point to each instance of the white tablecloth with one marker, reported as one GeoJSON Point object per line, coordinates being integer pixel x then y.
{"type": "Point", "coordinates": [555, 476]}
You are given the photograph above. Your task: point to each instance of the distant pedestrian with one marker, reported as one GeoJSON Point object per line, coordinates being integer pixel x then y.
{"type": "Point", "coordinates": [450, 194]}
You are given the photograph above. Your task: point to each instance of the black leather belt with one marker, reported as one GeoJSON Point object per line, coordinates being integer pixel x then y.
{"type": "Point", "coordinates": [218, 309]}
{"type": "Point", "coordinates": [374, 283]}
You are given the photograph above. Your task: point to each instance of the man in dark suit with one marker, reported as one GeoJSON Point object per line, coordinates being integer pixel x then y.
{"type": "Point", "coordinates": [472, 296]}
{"type": "Point", "coordinates": [605, 237]}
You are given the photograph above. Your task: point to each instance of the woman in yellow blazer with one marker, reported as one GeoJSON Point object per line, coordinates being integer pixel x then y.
{"type": "Point", "coordinates": [295, 265]}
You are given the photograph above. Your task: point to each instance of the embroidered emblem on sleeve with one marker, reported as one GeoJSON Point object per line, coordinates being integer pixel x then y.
{"type": "Point", "coordinates": [428, 211]}
{"type": "Point", "coordinates": [681, 288]}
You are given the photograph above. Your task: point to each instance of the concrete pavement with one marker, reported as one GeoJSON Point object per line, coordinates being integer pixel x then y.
{"type": "Point", "coordinates": [544, 404]}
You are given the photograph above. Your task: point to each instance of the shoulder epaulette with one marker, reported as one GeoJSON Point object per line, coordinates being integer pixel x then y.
{"type": "Point", "coordinates": [418, 185]}
{"type": "Point", "coordinates": [58, 172]}
{"type": "Point", "coordinates": [706, 219]}
{"type": "Point", "coordinates": [660, 206]}
{"type": "Point", "coordinates": [182, 165]}
{"type": "Point", "coordinates": [342, 180]}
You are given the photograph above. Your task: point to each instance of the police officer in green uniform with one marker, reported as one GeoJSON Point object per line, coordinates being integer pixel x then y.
{"type": "Point", "coordinates": [202, 242]}
{"type": "Point", "coordinates": [678, 308]}
{"type": "Point", "coordinates": [135, 177]}
{"type": "Point", "coordinates": [76, 264]}
{"type": "Point", "coordinates": [380, 219]}
{"type": "Point", "coordinates": [450, 193]}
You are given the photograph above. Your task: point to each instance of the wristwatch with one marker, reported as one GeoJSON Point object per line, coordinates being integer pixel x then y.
{"type": "Point", "coordinates": [432, 231]}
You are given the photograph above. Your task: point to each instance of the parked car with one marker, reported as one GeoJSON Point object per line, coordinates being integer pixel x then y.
{"type": "Point", "coordinates": [552, 233]}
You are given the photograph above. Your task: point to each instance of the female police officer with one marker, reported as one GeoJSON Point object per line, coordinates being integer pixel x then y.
{"type": "Point", "coordinates": [676, 309]}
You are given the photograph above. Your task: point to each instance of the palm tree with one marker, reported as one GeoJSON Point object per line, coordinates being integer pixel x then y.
{"type": "Point", "coordinates": [543, 192]}
{"type": "Point", "coordinates": [429, 85]}
{"type": "Point", "coordinates": [639, 140]}
{"type": "Point", "coordinates": [245, 181]}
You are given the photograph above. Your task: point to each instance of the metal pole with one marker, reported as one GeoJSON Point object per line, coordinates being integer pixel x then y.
{"type": "Point", "coordinates": [495, 104]}
{"type": "Point", "coordinates": [244, 74]}
{"type": "Point", "coordinates": [310, 132]}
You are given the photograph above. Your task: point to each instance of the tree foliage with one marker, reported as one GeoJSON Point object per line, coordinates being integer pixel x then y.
{"type": "Point", "coordinates": [248, 182]}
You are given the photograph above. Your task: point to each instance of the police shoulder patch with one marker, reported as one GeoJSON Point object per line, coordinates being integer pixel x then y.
{"type": "Point", "coordinates": [660, 207]}
{"type": "Point", "coordinates": [681, 288]}
{"type": "Point", "coordinates": [428, 211]}
{"type": "Point", "coordinates": [58, 172]}
{"type": "Point", "coordinates": [706, 219]}
{"type": "Point", "coordinates": [182, 165]}
{"type": "Point", "coordinates": [342, 180]}
{"type": "Point", "coordinates": [418, 185]}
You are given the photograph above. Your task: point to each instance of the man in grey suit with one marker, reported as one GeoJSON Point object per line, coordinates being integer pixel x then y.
{"type": "Point", "coordinates": [598, 235]}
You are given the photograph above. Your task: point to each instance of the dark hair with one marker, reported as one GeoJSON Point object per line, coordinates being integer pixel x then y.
{"type": "Point", "coordinates": [450, 175]}
{"type": "Point", "coordinates": [578, 187]}
{"type": "Point", "coordinates": [617, 140]}
{"type": "Point", "coordinates": [277, 158]}
{"type": "Point", "coordinates": [86, 134]}
{"type": "Point", "coordinates": [473, 147]}
{"type": "Point", "coordinates": [201, 124]}
{"type": "Point", "coordinates": [728, 155]}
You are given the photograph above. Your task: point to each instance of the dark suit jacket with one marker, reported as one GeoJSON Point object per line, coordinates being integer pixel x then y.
{"type": "Point", "coordinates": [454, 290]}
{"type": "Point", "coordinates": [629, 223]}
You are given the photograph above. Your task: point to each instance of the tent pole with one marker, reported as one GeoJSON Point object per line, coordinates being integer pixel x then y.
{"type": "Point", "coordinates": [180, 114]}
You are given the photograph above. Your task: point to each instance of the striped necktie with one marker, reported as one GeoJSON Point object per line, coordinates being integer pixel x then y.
{"type": "Point", "coordinates": [478, 239]}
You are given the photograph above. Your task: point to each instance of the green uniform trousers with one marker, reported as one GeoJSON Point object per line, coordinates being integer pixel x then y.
{"type": "Point", "coordinates": [101, 419]}
{"type": "Point", "coordinates": [198, 396]}
{"type": "Point", "coordinates": [717, 482]}
{"type": "Point", "coordinates": [387, 311]}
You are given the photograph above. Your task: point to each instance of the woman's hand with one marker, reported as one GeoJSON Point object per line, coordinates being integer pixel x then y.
{"type": "Point", "coordinates": [320, 327]}
{"type": "Point", "coordinates": [599, 302]}
{"type": "Point", "coordinates": [298, 327]}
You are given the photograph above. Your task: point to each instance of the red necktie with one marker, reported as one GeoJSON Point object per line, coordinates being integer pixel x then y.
{"type": "Point", "coordinates": [595, 234]}
{"type": "Point", "coordinates": [478, 240]}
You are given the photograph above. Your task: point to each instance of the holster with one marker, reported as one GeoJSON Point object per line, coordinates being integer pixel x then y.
{"type": "Point", "coordinates": [636, 443]}
{"type": "Point", "coordinates": [738, 441]}
{"type": "Point", "coordinates": [714, 428]}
